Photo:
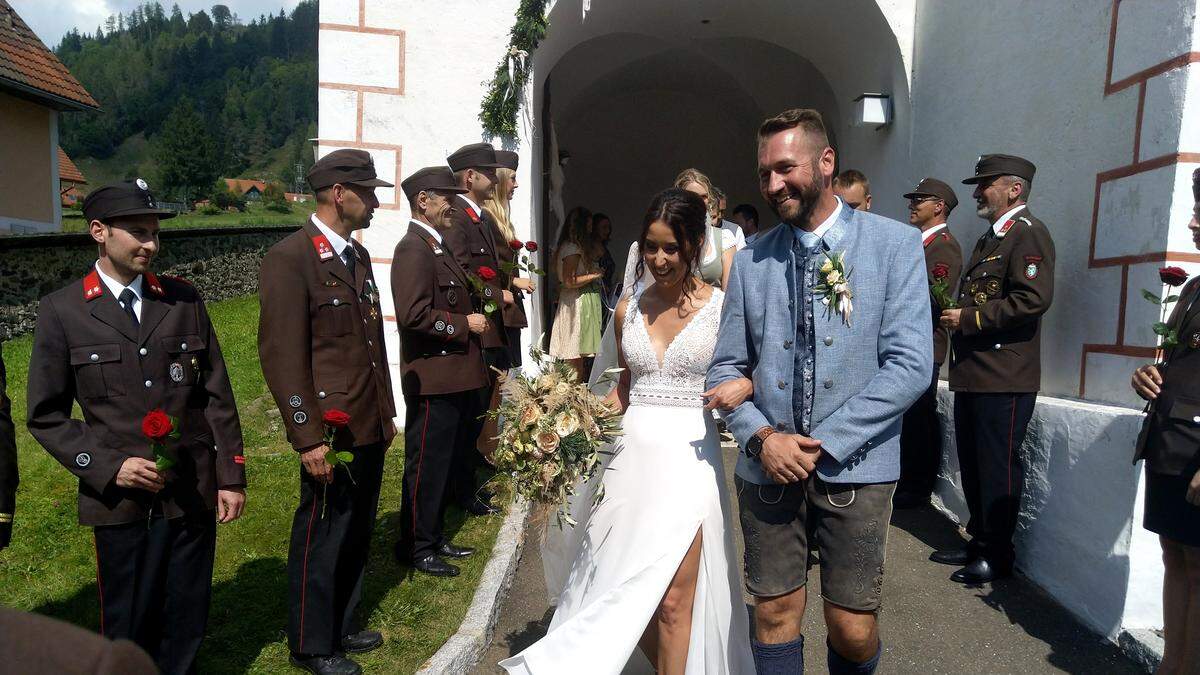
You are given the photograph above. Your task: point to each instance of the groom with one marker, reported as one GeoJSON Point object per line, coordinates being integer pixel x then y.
{"type": "Point", "coordinates": [835, 364]}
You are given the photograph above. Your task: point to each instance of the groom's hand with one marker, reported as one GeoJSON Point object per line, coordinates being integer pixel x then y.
{"type": "Point", "coordinates": [789, 458]}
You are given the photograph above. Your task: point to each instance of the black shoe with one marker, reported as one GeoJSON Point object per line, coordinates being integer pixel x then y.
{"type": "Point", "coordinates": [448, 550]}
{"type": "Point", "coordinates": [362, 641]}
{"type": "Point", "coordinates": [910, 500]}
{"type": "Point", "coordinates": [480, 507]}
{"type": "Point", "coordinates": [435, 566]}
{"type": "Point", "coordinates": [980, 571]}
{"type": "Point", "coordinates": [325, 665]}
{"type": "Point", "coordinates": [953, 556]}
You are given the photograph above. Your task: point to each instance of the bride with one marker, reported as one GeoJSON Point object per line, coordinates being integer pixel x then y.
{"type": "Point", "coordinates": [651, 580]}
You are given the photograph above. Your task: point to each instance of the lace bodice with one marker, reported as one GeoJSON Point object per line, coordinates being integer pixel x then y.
{"type": "Point", "coordinates": [679, 380]}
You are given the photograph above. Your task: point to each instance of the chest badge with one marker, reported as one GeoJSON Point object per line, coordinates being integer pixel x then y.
{"type": "Point", "coordinates": [1194, 341]}
{"type": "Point", "coordinates": [1031, 271]}
{"type": "Point", "coordinates": [295, 401]}
{"type": "Point", "coordinates": [452, 297]}
{"type": "Point", "coordinates": [83, 459]}
{"type": "Point", "coordinates": [980, 298]}
{"type": "Point", "coordinates": [331, 283]}
{"type": "Point", "coordinates": [176, 372]}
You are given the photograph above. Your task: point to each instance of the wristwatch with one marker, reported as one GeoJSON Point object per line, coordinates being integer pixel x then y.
{"type": "Point", "coordinates": [754, 446]}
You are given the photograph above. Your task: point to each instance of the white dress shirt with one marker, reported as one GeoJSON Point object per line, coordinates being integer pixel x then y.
{"type": "Point", "coordinates": [115, 287]}
{"type": "Point", "coordinates": [437, 236]}
{"type": "Point", "coordinates": [339, 245]}
{"type": "Point", "coordinates": [996, 226]}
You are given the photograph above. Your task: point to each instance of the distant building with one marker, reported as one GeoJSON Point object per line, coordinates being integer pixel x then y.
{"type": "Point", "coordinates": [70, 180]}
{"type": "Point", "coordinates": [34, 88]}
{"type": "Point", "coordinates": [297, 197]}
{"type": "Point", "coordinates": [250, 190]}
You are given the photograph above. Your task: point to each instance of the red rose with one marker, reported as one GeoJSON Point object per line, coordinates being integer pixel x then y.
{"type": "Point", "coordinates": [486, 273]}
{"type": "Point", "coordinates": [1173, 276]}
{"type": "Point", "coordinates": [515, 244]}
{"type": "Point", "coordinates": [941, 271]}
{"type": "Point", "coordinates": [336, 418]}
{"type": "Point", "coordinates": [157, 425]}
{"type": "Point", "coordinates": [531, 246]}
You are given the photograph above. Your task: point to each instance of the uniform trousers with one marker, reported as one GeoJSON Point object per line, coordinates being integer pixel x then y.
{"type": "Point", "coordinates": [989, 429]}
{"type": "Point", "coordinates": [327, 557]}
{"type": "Point", "coordinates": [439, 441]}
{"type": "Point", "coordinates": [921, 445]}
{"type": "Point", "coordinates": [155, 582]}
{"type": "Point", "coordinates": [464, 486]}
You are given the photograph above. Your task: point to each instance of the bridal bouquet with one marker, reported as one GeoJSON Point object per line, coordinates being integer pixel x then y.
{"type": "Point", "coordinates": [551, 433]}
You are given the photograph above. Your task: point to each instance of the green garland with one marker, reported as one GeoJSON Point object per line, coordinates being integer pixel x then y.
{"type": "Point", "coordinates": [500, 106]}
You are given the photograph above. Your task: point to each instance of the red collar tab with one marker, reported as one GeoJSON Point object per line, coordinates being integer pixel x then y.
{"type": "Point", "coordinates": [928, 238]}
{"type": "Point", "coordinates": [323, 247]}
{"type": "Point", "coordinates": [92, 288]}
{"type": "Point", "coordinates": [153, 283]}
{"type": "Point", "coordinates": [1006, 227]}
{"type": "Point", "coordinates": [474, 216]}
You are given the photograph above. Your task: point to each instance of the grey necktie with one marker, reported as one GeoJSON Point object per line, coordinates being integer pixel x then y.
{"type": "Point", "coordinates": [126, 299]}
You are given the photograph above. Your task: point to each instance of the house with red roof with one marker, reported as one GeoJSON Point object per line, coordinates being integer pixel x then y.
{"type": "Point", "coordinates": [35, 87]}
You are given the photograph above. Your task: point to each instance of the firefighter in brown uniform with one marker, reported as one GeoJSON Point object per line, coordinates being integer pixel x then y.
{"type": "Point", "coordinates": [929, 206]}
{"type": "Point", "coordinates": [1170, 444]}
{"type": "Point", "coordinates": [320, 342]}
{"type": "Point", "coordinates": [442, 369]}
{"type": "Point", "coordinates": [8, 461]}
{"type": "Point", "coordinates": [995, 363]}
{"type": "Point", "coordinates": [472, 243]}
{"type": "Point", "coordinates": [123, 342]}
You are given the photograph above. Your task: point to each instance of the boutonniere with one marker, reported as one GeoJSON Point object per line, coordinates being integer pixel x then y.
{"type": "Point", "coordinates": [834, 287]}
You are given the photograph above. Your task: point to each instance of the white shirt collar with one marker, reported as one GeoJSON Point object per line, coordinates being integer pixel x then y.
{"type": "Point", "coordinates": [335, 240]}
{"type": "Point", "coordinates": [928, 234]}
{"type": "Point", "coordinates": [473, 205]}
{"type": "Point", "coordinates": [1004, 219]}
{"type": "Point", "coordinates": [115, 287]}
{"type": "Point", "coordinates": [825, 224]}
{"type": "Point", "coordinates": [437, 236]}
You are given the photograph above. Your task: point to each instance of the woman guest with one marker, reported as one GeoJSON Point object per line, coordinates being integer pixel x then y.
{"type": "Point", "coordinates": [515, 320]}
{"type": "Point", "coordinates": [576, 330]}
{"type": "Point", "coordinates": [717, 255]}
{"type": "Point", "coordinates": [1170, 444]}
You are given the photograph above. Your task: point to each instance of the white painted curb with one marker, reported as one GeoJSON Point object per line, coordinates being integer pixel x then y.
{"type": "Point", "coordinates": [463, 650]}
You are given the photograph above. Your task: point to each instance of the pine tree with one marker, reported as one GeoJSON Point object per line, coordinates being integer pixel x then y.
{"type": "Point", "coordinates": [186, 155]}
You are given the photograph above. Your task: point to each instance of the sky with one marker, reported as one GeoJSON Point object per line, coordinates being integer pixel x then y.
{"type": "Point", "coordinates": [50, 19]}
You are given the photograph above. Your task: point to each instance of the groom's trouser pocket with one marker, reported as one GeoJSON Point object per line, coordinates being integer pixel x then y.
{"type": "Point", "coordinates": [773, 528]}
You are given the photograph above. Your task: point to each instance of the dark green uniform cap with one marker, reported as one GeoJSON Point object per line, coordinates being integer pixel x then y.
{"type": "Point", "coordinates": [131, 198]}
{"type": "Point", "coordinates": [990, 166]}
{"type": "Point", "coordinates": [430, 178]}
{"type": "Point", "coordinates": [474, 156]}
{"type": "Point", "coordinates": [347, 167]}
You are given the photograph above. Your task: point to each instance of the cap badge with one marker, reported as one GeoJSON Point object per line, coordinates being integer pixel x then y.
{"type": "Point", "coordinates": [141, 184]}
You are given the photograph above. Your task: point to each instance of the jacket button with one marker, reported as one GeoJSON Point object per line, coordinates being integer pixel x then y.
{"type": "Point", "coordinates": [828, 340]}
{"type": "Point", "coordinates": [148, 383]}
{"type": "Point", "coordinates": [143, 351]}
{"type": "Point", "coordinates": [996, 346]}
{"type": "Point", "coordinates": [829, 384]}
{"type": "Point", "coordinates": [94, 357]}
{"type": "Point", "coordinates": [320, 394]}
{"type": "Point", "coordinates": [1196, 419]}
{"type": "Point", "coordinates": [443, 352]}
{"type": "Point", "coordinates": [787, 344]}
{"type": "Point", "coordinates": [183, 345]}
{"type": "Point", "coordinates": [782, 384]}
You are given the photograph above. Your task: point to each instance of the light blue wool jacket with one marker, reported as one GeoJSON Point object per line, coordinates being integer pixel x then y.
{"type": "Point", "coordinates": [867, 373]}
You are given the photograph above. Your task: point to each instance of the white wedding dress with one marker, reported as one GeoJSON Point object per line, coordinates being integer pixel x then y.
{"type": "Point", "coordinates": [665, 483]}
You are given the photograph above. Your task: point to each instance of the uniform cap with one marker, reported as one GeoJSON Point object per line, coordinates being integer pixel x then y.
{"type": "Point", "coordinates": [347, 167]}
{"type": "Point", "coordinates": [932, 187]}
{"type": "Point", "coordinates": [990, 166]}
{"type": "Point", "coordinates": [474, 156]}
{"type": "Point", "coordinates": [507, 159]}
{"type": "Point", "coordinates": [430, 178]}
{"type": "Point", "coordinates": [130, 198]}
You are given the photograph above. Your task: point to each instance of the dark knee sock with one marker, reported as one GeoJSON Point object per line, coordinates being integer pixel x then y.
{"type": "Point", "coordinates": [840, 665]}
{"type": "Point", "coordinates": [786, 658]}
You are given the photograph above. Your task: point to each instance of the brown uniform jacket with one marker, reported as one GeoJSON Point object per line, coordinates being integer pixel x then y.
{"type": "Point", "coordinates": [943, 260]}
{"type": "Point", "coordinates": [38, 645]}
{"type": "Point", "coordinates": [1172, 428]}
{"type": "Point", "coordinates": [86, 349]}
{"type": "Point", "coordinates": [320, 341]}
{"type": "Point", "coordinates": [439, 354]}
{"type": "Point", "coordinates": [514, 314]}
{"type": "Point", "coordinates": [8, 452]}
{"type": "Point", "coordinates": [471, 241]}
{"type": "Point", "coordinates": [1007, 285]}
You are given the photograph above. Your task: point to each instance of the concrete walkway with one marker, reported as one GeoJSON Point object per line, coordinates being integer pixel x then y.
{"type": "Point", "coordinates": [929, 624]}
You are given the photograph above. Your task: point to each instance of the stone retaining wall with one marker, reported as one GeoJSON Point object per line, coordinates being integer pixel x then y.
{"type": "Point", "coordinates": [221, 262]}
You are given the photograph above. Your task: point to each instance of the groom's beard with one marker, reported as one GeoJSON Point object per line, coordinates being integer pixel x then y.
{"type": "Point", "coordinates": [795, 208]}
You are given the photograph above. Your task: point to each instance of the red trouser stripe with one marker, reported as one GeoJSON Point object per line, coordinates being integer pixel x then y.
{"type": "Point", "coordinates": [99, 581]}
{"type": "Point", "coordinates": [304, 572]}
{"type": "Point", "coordinates": [420, 458]}
{"type": "Point", "coordinates": [1012, 425]}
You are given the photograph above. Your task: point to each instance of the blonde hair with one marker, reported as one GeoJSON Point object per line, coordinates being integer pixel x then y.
{"type": "Point", "coordinates": [696, 176]}
{"type": "Point", "coordinates": [498, 206]}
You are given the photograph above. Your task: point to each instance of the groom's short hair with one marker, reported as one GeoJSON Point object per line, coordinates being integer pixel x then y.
{"type": "Point", "coordinates": [806, 119]}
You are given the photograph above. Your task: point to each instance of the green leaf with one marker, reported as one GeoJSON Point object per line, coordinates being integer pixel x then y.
{"type": "Point", "coordinates": [331, 457]}
{"type": "Point", "coordinates": [489, 307]}
{"type": "Point", "coordinates": [162, 463]}
{"type": "Point", "coordinates": [345, 456]}
{"type": "Point", "coordinates": [1170, 299]}
{"type": "Point", "coordinates": [1151, 297]}
{"type": "Point", "coordinates": [1163, 329]}
{"type": "Point", "coordinates": [174, 435]}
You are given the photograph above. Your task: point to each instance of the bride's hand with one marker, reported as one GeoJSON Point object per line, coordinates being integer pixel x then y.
{"type": "Point", "coordinates": [729, 394]}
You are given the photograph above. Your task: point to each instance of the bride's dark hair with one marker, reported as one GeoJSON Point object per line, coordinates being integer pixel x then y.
{"type": "Point", "coordinates": [685, 213]}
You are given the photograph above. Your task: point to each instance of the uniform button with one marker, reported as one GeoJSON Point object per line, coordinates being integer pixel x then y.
{"type": "Point", "coordinates": [781, 384]}
{"type": "Point", "coordinates": [143, 351]}
{"type": "Point", "coordinates": [828, 340]}
{"type": "Point", "coordinates": [94, 357]}
{"type": "Point", "coordinates": [1196, 419]}
{"type": "Point", "coordinates": [787, 344]}
{"type": "Point", "coordinates": [183, 345]}
{"type": "Point", "coordinates": [148, 383]}
{"type": "Point", "coordinates": [443, 352]}
{"type": "Point", "coordinates": [320, 394]}
{"type": "Point", "coordinates": [996, 346]}
{"type": "Point", "coordinates": [370, 344]}
{"type": "Point", "coordinates": [336, 302]}
{"type": "Point", "coordinates": [829, 384]}
{"type": "Point", "coordinates": [968, 277]}
{"type": "Point", "coordinates": [372, 364]}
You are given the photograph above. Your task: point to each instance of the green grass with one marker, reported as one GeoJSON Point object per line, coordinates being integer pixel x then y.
{"type": "Point", "coordinates": [50, 567]}
{"type": "Point", "coordinates": [255, 214]}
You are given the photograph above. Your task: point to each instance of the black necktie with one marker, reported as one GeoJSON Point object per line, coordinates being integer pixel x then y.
{"type": "Point", "coordinates": [350, 260]}
{"type": "Point", "coordinates": [126, 298]}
